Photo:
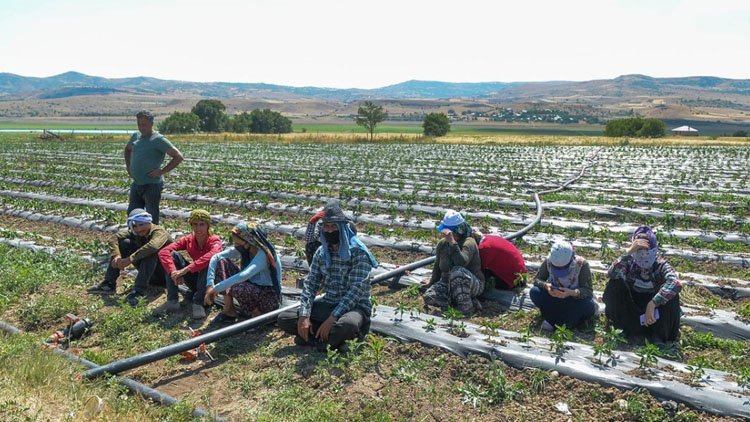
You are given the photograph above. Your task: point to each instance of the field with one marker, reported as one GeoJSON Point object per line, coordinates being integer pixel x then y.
{"type": "Point", "coordinates": [64, 199]}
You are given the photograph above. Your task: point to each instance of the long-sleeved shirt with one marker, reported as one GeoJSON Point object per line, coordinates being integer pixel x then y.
{"type": "Point", "coordinates": [201, 256]}
{"type": "Point", "coordinates": [256, 272]}
{"type": "Point", "coordinates": [147, 245]}
{"type": "Point", "coordinates": [585, 287]}
{"type": "Point", "coordinates": [464, 254]}
{"type": "Point", "coordinates": [344, 282]}
{"type": "Point", "coordinates": [660, 279]}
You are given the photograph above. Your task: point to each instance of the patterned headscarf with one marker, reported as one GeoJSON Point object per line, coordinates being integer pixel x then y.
{"type": "Point", "coordinates": [645, 258]}
{"type": "Point", "coordinates": [199, 215]}
{"type": "Point", "coordinates": [256, 235]}
{"type": "Point", "coordinates": [138, 216]}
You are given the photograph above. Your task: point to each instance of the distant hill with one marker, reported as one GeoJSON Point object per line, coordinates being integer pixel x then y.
{"type": "Point", "coordinates": [696, 98]}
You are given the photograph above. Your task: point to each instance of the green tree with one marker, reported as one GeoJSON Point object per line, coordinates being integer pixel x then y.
{"type": "Point", "coordinates": [436, 124]}
{"type": "Point", "coordinates": [369, 115]}
{"type": "Point", "coordinates": [268, 121]}
{"type": "Point", "coordinates": [211, 115]}
{"type": "Point", "coordinates": [241, 123]}
{"type": "Point", "coordinates": [179, 122]}
{"type": "Point", "coordinates": [635, 126]}
{"type": "Point", "coordinates": [652, 128]}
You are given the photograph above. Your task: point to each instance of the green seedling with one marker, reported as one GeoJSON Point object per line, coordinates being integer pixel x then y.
{"type": "Point", "coordinates": [561, 335]}
{"type": "Point", "coordinates": [527, 338]}
{"type": "Point", "coordinates": [452, 314]}
{"type": "Point", "coordinates": [430, 324]}
{"type": "Point", "coordinates": [490, 328]}
{"type": "Point", "coordinates": [649, 355]}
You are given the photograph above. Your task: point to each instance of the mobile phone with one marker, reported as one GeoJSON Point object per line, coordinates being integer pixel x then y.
{"type": "Point", "coordinates": [656, 316]}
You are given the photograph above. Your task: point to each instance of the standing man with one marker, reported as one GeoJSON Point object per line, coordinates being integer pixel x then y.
{"type": "Point", "coordinates": [144, 155]}
{"type": "Point", "coordinates": [340, 267]}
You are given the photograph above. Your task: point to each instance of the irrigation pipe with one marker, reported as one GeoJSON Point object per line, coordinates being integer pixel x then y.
{"type": "Point", "coordinates": [132, 385]}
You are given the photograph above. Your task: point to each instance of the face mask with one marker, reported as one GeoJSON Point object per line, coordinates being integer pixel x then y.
{"type": "Point", "coordinates": [332, 237]}
{"type": "Point", "coordinates": [645, 258]}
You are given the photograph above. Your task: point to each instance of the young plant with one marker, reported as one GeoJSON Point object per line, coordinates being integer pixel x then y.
{"type": "Point", "coordinates": [452, 314]}
{"type": "Point", "coordinates": [499, 389]}
{"type": "Point", "coordinates": [412, 292]}
{"type": "Point", "coordinates": [649, 355]}
{"type": "Point", "coordinates": [696, 369]}
{"type": "Point", "coordinates": [539, 379]}
{"type": "Point", "coordinates": [374, 303]}
{"type": "Point", "coordinates": [400, 309]}
{"type": "Point", "coordinates": [743, 378]}
{"type": "Point", "coordinates": [459, 330]}
{"type": "Point", "coordinates": [521, 280]}
{"type": "Point", "coordinates": [527, 338]}
{"type": "Point", "coordinates": [430, 324]}
{"type": "Point", "coordinates": [490, 328]}
{"type": "Point", "coordinates": [376, 346]}
{"type": "Point", "coordinates": [561, 335]}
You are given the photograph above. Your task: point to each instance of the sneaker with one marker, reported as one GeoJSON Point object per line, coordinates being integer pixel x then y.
{"type": "Point", "coordinates": [546, 326]}
{"type": "Point", "coordinates": [199, 312]}
{"type": "Point", "coordinates": [105, 288]}
{"type": "Point", "coordinates": [223, 318]}
{"type": "Point", "coordinates": [168, 307]}
{"type": "Point", "coordinates": [133, 298]}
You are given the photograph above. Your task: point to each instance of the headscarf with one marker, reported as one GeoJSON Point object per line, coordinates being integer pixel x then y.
{"type": "Point", "coordinates": [138, 216]}
{"type": "Point", "coordinates": [347, 240]}
{"type": "Point", "coordinates": [256, 235]}
{"type": "Point", "coordinates": [643, 259]}
{"type": "Point", "coordinates": [455, 222]}
{"type": "Point", "coordinates": [199, 215]}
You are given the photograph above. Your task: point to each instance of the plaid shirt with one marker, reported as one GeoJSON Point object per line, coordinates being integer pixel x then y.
{"type": "Point", "coordinates": [665, 283]}
{"type": "Point", "coordinates": [345, 283]}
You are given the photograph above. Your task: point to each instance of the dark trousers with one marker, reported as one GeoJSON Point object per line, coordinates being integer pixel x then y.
{"type": "Point", "coordinates": [149, 268]}
{"type": "Point", "coordinates": [196, 282]}
{"type": "Point", "coordinates": [569, 311]}
{"type": "Point", "coordinates": [624, 308]}
{"type": "Point", "coordinates": [146, 196]}
{"type": "Point", "coordinates": [351, 325]}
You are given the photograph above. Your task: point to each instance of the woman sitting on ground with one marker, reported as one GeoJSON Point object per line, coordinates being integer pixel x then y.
{"type": "Point", "coordinates": [562, 289]}
{"type": "Point", "coordinates": [457, 277]}
{"type": "Point", "coordinates": [642, 296]}
{"type": "Point", "coordinates": [255, 283]}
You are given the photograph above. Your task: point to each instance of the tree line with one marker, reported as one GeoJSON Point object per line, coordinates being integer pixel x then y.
{"type": "Point", "coordinates": [635, 127]}
{"type": "Point", "coordinates": [210, 116]}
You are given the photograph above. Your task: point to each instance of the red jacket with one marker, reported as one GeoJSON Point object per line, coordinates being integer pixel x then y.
{"type": "Point", "coordinates": [501, 257]}
{"type": "Point", "coordinates": [201, 257]}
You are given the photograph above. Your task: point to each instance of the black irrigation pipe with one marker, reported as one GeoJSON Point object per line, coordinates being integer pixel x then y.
{"type": "Point", "coordinates": [132, 385]}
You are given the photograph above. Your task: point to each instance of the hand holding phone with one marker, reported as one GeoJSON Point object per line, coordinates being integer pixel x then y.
{"type": "Point", "coordinates": [656, 316]}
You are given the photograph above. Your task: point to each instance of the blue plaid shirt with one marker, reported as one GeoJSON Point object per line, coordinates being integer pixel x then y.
{"type": "Point", "coordinates": [344, 282]}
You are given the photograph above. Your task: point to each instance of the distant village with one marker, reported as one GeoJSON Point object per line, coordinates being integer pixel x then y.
{"type": "Point", "coordinates": [508, 115]}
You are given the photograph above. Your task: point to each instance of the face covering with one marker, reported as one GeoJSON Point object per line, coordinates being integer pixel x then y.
{"type": "Point", "coordinates": [332, 237]}
{"type": "Point", "coordinates": [645, 258]}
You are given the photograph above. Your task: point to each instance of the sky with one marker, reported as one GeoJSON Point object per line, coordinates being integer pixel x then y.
{"type": "Point", "coordinates": [356, 44]}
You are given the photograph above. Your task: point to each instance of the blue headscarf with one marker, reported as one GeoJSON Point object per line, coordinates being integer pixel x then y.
{"type": "Point", "coordinates": [346, 237]}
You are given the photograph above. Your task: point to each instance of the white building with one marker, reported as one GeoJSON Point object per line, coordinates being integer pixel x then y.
{"type": "Point", "coordinates": [685, 131]}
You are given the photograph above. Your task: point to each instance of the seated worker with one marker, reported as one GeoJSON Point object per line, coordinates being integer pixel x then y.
{"type": "Point", "coordinates": [562, 288]}
{"type": "Point", "coordinates": [457, 277]}
{"type": "Point", "coordinates": [200, 245]}
{"type": "Point", "coordinates": [255, 283]}
{"type": "Point", "coordinates": [340, 267]}
{"type": "Point", "coordinates": [642, 296]}
{"type": "Point", "coordinates": [139, 245]}
{"type": "Point", "coordinates": [501, 262]}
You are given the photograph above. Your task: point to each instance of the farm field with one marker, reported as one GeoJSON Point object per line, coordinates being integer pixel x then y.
{"type": "Point", "coordinates": [66, 198]}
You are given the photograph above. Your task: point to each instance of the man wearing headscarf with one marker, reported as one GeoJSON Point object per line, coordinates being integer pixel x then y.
{"type": "Point", "coordinates": [138, 245]}
{"type": "Point", "coordinates": [200, 246]}
{"type": "Point", "coordinates": [642, 294]}
{"type": "Point", "coordinates": [255, 283]}
{"type": "Point", "coordinates": [340, 267]}
{"type": "Point", "coordinates": [457, 276]}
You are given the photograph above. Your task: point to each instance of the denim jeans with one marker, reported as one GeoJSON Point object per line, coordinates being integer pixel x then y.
{"type": "Point", "coordinates": [196, 282]}
{"type": "Point", "coordinates": [148, 268]}
{"type": "Point", "coordinates": [146, 196]}
{"type": "Point", "coordinates": [569, 311]}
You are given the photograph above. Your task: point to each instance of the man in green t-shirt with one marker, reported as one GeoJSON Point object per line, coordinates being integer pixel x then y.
{"type": "Point", "coordinates": [144, 155]}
